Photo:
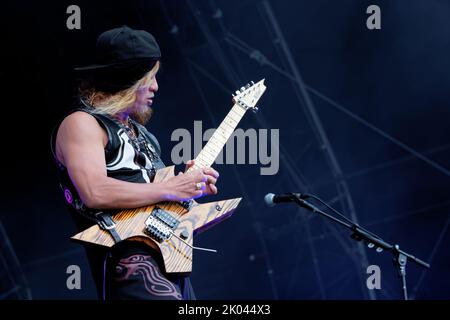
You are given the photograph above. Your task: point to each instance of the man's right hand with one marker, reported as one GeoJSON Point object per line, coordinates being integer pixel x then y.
{"type": "Point", "coordinates": [191, 185]}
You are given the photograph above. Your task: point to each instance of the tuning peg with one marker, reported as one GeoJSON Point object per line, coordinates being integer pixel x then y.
{"type": "Point", "coordinates": [248, 85]}
{"type": "Point", "coordinates": [252, 82]}
{"type": "Point", "coordinates": [243, 89]}
{"type": "Point", "coordinates": [237, 92]}
{"type": "Point", "coordinates": [255, 109]}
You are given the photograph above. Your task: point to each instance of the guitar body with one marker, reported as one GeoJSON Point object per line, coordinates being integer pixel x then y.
{"type": "Point", "coordinates": [180, 223]}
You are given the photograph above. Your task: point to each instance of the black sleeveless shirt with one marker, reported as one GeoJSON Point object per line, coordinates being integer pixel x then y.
{"type": "Point", "coordinates": [127, 159]}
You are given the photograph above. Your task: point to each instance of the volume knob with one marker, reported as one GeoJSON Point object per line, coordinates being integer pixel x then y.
{"type": "Point", "coordinates": [184, 234]}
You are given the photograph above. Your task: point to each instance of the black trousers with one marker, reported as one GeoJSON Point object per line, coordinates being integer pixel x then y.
{"type": "Point", "coordinates": [133, 271]}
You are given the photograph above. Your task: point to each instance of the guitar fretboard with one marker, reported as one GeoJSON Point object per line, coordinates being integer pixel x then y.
{"type": "Point", "coordinates": [209, 153]}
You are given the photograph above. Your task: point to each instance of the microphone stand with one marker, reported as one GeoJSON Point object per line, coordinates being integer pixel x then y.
{"type": "Point", "coordinates": [359, 233]}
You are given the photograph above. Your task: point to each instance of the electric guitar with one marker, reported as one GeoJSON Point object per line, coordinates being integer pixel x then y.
{"type": "Point", "coordinates": [171, 226]}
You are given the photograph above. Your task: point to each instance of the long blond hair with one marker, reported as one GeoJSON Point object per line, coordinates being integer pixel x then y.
{"type": "Point", "coordinates": [114, 103]}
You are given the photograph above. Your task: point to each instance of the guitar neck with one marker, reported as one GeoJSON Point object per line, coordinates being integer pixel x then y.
{"type": "Point", "coordinates": [209, 153]}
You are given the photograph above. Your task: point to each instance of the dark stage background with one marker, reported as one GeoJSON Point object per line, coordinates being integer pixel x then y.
{"type": "Point", "coordinates": [381, 98]}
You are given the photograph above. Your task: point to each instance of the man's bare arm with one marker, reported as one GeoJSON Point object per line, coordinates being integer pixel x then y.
{"type": "Point", "coordinates": [80, 147]}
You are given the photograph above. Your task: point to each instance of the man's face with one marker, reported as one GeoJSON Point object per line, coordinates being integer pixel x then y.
{"type": "Point", "coordinates": [142, 108]}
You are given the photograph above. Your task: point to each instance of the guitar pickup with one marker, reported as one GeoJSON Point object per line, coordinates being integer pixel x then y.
{"type": "Point", "coordinates": [160, 224]}
{"type": "Point", "coordinates": [187, 205]}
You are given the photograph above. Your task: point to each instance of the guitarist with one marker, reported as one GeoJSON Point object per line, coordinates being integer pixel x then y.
{"type": "Point", "coordinates": [107, 160]}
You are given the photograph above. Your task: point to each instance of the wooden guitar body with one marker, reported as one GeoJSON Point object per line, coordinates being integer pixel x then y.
{"type": "Point", "coordinates": [178, 223]}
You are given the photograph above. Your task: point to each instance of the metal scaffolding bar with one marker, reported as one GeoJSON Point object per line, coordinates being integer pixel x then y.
{"type": "Point", "coordinates": [341, 184]}
{"type": "Point", "coordinates": [11, 270]}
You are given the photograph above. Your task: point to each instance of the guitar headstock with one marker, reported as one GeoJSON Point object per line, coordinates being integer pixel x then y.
{"type": "Point", "coordinates": [248, 96]}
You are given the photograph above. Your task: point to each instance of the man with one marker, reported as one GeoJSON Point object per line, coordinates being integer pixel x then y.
{"type": "Point", "coordinates": [107, 161]}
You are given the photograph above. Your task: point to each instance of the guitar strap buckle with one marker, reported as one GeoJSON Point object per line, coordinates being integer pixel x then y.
{"type": "Point", "coordinates": [106, 222]}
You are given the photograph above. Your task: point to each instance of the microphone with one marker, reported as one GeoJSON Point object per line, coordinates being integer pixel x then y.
{"type": "Point", "coordinates": [272, 199]}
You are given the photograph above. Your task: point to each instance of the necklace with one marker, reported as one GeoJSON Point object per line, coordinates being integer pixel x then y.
{"type": "Point", "coordinates": [128, 126]}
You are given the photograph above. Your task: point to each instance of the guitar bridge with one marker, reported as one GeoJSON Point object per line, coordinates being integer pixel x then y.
{"type": "Point", "coordinates": [160, 225]}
